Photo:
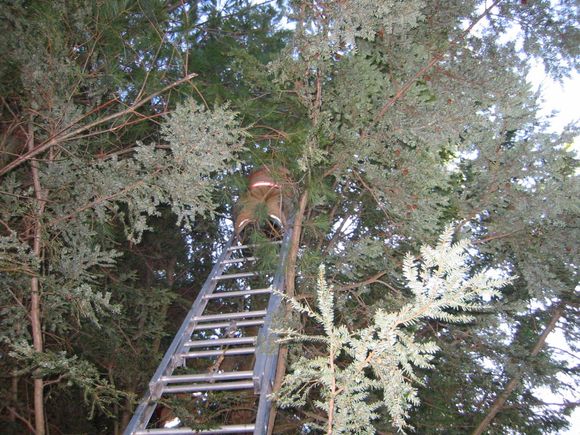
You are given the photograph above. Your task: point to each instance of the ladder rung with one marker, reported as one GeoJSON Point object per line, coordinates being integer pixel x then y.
{"type": "Point", "coordinates": [238, 260]}
{"type": "Point", "coordinates": [208, 377]}
{"type": "Point", "coordinates": [235, 275]}
{"type": "Point", "coordinates": [218, 325]}
{"type": "Point", "coordinates": [225, 352]}
{"type": "Point", "coordinates": [233, 428]}
{"type": "Point", "coordinates": [221, 342]}
{"type": "Point", "coordinates": [230, 316]}
{"type": "Point", "coordinates": [237, 247]}
{"type": "Point", "coordinates": [220, 386]}
{"type": "Point", "coordinates": [258, 291]}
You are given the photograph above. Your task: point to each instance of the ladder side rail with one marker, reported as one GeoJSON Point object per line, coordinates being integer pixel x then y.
{"type": "Point", "coordinates": [146, 407]}
{"type": "Point", "coordinates": [268, 348]}
{"type": "Point", "coordinates": [266, 340]}
{"type": "Point", "coordinates": [267, 388]}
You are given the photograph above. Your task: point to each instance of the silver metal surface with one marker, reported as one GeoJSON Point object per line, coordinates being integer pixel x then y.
{"type": "Point", "coordinates": [234, 428]}
{"type": "Point", "coordinates": [207, 377]}
{"type": "Point", "coordinates": [182, 349]}
{"type": "Point", "coordinates": [268, 348]}
{"type": "Point", "coordinates": [145, 410]}
{"type": "Point", "coordinates": [238, 247]}
{"type": "Point", "coordinates": [221, 342]}
{"type": "Point", "coordinates": [233, 325]}
{"type": "Point", "coordinates": [221, 386]}
{"type": "Point", "coordinates": [225, 352]}
{"type": "Point", "coordinates": [258, 291]}
{"type": "Point", "coordinates": [235, 276]}
{"type": "Point", "coordinates": [239, 315]}
{"type": "Point", "coordinates": [239, 260]}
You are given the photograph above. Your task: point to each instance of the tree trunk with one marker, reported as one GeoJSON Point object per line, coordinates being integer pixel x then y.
{"type": "Point", "coordinates": [513, 383]}
{"type": "Point", "coordinates": [127, 411]}
{"type": "Point", "coordinates": [39, 422]}
{"type": "Point", "coordinates": [169, 280]}
{"type": "Point", "coordinates": [290, 291]}
{"type": "Point", "coordinates": [13, 396]}
{"type": "Point", "coordinates": [35, 308]}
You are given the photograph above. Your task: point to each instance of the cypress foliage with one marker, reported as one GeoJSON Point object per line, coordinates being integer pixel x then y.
{"type": "Point", "coordinates": [127, 129]}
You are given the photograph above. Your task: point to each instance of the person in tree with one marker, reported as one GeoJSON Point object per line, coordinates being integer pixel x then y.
{"type": "Point", "coordinates": [264, 206]}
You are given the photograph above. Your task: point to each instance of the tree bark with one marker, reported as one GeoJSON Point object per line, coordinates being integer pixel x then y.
{"type": "Point", "coordinates": [513, 383]}
{"type": "Point", "coordinates": [290, 291]}
{"type": "Point", "coordinates": [35, 308]}
{"type": "Point", "coordinates": [127, 411]}
{"type": "Point", "coordinates": [169, 280]}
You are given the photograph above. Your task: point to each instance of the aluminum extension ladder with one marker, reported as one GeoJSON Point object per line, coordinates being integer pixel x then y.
{"type": "Point", "coordinates": [219, 352]}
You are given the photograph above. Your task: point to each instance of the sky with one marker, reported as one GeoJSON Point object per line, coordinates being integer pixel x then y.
{"type": "Point", "coordinates": [560, 97]}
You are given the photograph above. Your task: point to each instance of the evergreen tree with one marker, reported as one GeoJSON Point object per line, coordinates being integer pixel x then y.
{"type": "Point", "coordinates": [127, 127]}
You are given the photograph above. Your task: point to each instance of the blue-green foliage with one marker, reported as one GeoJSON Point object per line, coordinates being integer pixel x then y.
{"type": "Point", "coordinates": [384, 355]}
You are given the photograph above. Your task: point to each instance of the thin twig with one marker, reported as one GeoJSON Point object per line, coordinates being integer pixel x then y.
{"type": "Point", "coordinates": [371, 191]}
{"type": "Point", "coordinates": [369, 280]}
{"type": "Point", "coordinates": [502, 398]}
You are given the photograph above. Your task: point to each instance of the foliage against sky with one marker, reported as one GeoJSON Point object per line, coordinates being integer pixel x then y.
{"type": "Point", "coordinates": [127, 127]}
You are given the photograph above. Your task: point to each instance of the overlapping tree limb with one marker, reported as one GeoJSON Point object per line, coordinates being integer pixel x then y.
{"type": "Point", "coordinates": [64, 136]}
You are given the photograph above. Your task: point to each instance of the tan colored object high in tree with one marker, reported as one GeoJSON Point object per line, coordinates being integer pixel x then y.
{"type": "Point", "coordinates": [264, 205]}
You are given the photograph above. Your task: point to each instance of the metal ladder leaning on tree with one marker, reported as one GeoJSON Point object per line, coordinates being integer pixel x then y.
{"type": "Point", "coordinates": [221, 325]}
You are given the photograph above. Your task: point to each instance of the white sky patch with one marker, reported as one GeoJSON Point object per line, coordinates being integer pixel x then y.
{"type": "Point", "coordinates": [560, 99]}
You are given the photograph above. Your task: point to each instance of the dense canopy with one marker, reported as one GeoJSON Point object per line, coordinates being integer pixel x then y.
{"type": "Point", "coordinates": [435, 251]}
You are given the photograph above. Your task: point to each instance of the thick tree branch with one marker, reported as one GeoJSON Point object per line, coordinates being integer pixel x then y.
{"type": "Point", "coordinates": [290, 291]}
{"type": "Point", "coordinates": [25, 421]}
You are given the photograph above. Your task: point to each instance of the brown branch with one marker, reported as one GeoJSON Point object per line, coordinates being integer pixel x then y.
{"type": "Point", "coordinates": [337, 234]}
{"type": "Point", "coordinates": [290, 291]}
{"type": "Point", "coordinates": [61, 136]}
{"type": "Point", "coordinates": [294, 245]}
{"type": "Point", "coordinates": [35, 307]}
{"type": "Point", "coordinates": [55, 381]}
{"type": "Point", "coordinates": [141, 118]}
{"type": "Point", "coordinates": [22, 419]}
{"type": "Point", "coordinates": [279, 133]}
{"type": "Point", "coordinates": [367, 281]}
{"type": "Point", "coordinates": [372, 192]}
{"type": "Point", "coordinates": [497, 236]}
{"type": "Point", "coordinates": [499, 403]}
